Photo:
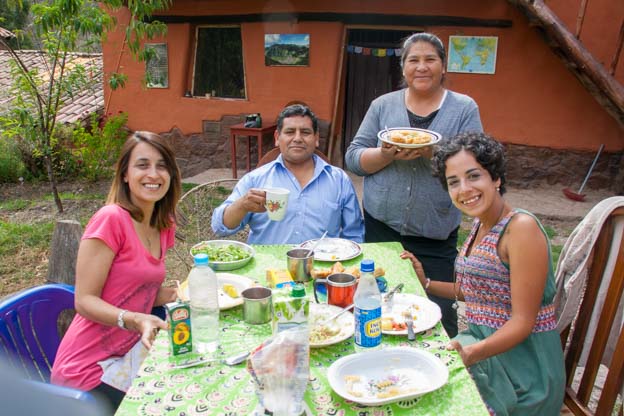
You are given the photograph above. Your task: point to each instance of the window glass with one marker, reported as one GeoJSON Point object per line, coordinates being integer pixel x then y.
{"type": "Point", "coordinates": [218, 68]}
{"type": "Point", "coordinates": [157, 66]}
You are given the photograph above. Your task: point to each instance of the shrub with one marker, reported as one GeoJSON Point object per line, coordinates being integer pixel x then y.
{"type": "Point", "coordinates": [96, 148]}
{"type": "Point", "coordinates": [11, 166]}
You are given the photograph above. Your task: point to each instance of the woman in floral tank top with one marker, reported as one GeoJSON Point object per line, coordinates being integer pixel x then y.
{"type": "Point", "coordinates": [504, 274]}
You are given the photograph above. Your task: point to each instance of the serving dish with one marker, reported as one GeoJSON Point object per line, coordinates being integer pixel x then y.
{"type": "Point", "coordinates": [340, 329]}
{"type": "Point", "coordinates": [333, 249]}
{"type": "Point", "coordinates": [386, 375]}
{"type": "Point", "coordinates": [434, 137]}
{"type": "Point", "coordinates": [226, 301]}
{"type": "Point", "coordinates": [219, 265]}
{"type": "Point", "coordinates": [425, 313]}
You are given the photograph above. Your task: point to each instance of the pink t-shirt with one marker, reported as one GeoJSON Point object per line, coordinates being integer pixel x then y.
{"type": "Point", "coordinates": [132, 283]}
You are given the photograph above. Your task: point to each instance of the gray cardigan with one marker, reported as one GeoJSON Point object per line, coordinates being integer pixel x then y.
{"type": "Point", "coordinates": [404, 195]}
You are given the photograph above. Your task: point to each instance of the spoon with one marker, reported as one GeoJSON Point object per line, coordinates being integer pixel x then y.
{"type": "Point", "coordinates": [236, 359]}
{"type": "Point", "coordinates": [336, 315]}
{"type": "Point", "coordinates": [316, 243]}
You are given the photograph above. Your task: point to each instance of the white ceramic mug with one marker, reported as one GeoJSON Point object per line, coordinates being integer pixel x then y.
{"type": "Point", "coordinates": [276, 203]}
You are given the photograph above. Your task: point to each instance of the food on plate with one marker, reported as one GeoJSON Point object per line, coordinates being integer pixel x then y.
{"type": "Point", "coordinates": [409, 137]}
{"type": "Point", "coordinates": [323, 272]}
{"type": "Point", "coordinates": [388, 323]}
{"type": "Point", "coordinates": [230, 290]}
{"type": "Point", "coordinates": [322, 333]}
{"type": "Point", "coordinates": [396, 320]}
{"type": "Point", "coordinates": [221, 253]}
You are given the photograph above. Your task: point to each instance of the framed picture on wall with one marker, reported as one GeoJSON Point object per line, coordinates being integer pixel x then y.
{"type": "Point", "coordinates": [472, 54]}
{"type": "Point", "coordinates": [157, 65]}
{"type": "Point", "coordinates": [286, 49]}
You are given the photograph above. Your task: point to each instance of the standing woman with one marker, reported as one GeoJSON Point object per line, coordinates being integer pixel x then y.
{"type": "Point", "coordinates": [402, 201]}
{"type": "Point", "coordinates": [120, 271]}
{"type": "Point", "coordinates": [504, 274]}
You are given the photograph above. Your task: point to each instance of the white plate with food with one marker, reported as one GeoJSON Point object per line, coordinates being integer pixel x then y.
{"type": "Point", "coordinates": [425, 314]}
{"type": "Point", "coordinates": [230, 288]}
{"type": "Point", "coordinates": [409, 137]}
{"type": "Point", "coordinates": [333, 249]}
{"type": "Point", "coordinates": [386, 375]}
{"type": "Point", "coordinates": [338, 330]}
{"type": "Point", "coordinates": [225, 255]}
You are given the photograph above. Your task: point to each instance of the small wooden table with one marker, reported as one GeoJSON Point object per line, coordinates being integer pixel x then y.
{"type": "Point", "coordinates": [249, 132]}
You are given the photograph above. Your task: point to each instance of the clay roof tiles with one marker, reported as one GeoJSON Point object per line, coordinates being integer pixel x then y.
{"type": "Point", "coordinates": [77, 108]}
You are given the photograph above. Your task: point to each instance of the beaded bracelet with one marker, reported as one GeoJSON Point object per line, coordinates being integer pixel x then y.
{"type": "Point", "coordinates": [120, 322]}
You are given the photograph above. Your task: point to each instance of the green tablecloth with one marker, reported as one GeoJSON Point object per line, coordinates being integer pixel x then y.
{"type": "Point", "coordinates": [216, 389]}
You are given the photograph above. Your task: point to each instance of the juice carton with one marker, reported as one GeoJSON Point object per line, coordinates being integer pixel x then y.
{"type": "Point", "coordinates": [180, 337]}
{"type": "Point", "coordinates": [290, 308]}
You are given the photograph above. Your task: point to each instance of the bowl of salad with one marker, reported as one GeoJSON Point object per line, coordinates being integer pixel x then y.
{"type": "Point", "coordinates": [224, 255]}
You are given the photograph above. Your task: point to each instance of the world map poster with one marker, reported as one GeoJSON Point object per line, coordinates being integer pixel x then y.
{"type": "Point", "coordinates": [472, 54]}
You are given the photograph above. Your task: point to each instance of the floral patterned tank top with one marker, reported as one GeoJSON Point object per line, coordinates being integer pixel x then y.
{"type": "Point", "coordinates": [484, 281]}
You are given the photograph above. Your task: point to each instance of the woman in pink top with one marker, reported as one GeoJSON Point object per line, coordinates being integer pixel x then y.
{"type": "Point", "coordinates": [120, 271]}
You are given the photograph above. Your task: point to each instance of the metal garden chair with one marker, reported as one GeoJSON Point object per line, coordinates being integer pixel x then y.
{"type": "Point", "coordinates": [195, 215]}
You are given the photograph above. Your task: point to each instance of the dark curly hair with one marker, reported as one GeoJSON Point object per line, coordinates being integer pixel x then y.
{"type": "Point", "coordinates": [490, 154]}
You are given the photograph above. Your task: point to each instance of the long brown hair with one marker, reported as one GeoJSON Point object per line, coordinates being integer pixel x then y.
{"type": "Point", "coordinates": [165, 209]}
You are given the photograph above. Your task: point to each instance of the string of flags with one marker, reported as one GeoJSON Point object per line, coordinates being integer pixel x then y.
{"type": "Point", "coordinates": [373, 51]}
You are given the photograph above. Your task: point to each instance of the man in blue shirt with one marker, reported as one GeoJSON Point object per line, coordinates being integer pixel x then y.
{"type": "Point", "coordinates": [322, 197]}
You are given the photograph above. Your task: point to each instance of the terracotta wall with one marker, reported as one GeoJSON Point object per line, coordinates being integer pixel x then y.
{"type": "Point", "coordinates": [531, 100]}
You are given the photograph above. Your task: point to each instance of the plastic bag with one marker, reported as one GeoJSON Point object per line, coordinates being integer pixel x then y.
{"type": "Point", "coordinates": [280, 367]}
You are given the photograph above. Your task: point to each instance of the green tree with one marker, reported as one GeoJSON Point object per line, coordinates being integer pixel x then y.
{"type": "Point", "coordinates": [14, 17]}
{"type": "Point", "coordinates": [38, 96]}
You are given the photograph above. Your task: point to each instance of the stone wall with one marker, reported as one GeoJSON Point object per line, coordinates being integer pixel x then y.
{"type": "Point", "coordinates": [528, 165]}
{"type": "Point", "coordinates": [210, 149]}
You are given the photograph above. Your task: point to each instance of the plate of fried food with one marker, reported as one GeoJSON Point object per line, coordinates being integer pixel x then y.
{"type": "Point", "coordinates": [409, 137]}
{"type": "Point", "coordinates": [230, 288]}
{"type": "Point", "coordinates": [322, 333]}
{"type": "Point", "coordinates": [387, 375]}
{"type": "Point", "coordinates": [425, 314]}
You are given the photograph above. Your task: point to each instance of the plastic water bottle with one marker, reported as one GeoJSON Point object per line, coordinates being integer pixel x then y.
{"type": "Point", "coordinates": [203, 291]}
{"type": "Point", "coordinates": [367, 300]}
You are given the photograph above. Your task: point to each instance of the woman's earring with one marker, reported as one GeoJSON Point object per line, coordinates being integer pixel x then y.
{"type": "Point", "coordinates": [498, 189]}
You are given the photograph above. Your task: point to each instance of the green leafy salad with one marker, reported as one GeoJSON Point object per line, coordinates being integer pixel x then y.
{"type": "Point", "coordinates": [221, 253]}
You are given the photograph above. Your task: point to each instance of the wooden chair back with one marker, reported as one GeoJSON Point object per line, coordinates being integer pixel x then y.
{"type": "Point", "coordinates": [574, 336]}
{"type": "Point", "coordinates": [272, 154]}
{"type": "Point", "coordinates": [195, 210]}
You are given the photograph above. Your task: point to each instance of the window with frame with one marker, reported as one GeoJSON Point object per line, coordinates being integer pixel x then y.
{"type": "Point", "coordinates": [218, 70]}
{"type": "Point", "coordinates": [157, 65]}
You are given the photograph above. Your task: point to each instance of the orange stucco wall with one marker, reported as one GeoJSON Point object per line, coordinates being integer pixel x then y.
{"type": "Point", "coordinates": [532, 99]}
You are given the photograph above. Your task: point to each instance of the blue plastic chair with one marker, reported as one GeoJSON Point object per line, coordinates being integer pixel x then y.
{"type": "Point", "coordinates": [29, 337]}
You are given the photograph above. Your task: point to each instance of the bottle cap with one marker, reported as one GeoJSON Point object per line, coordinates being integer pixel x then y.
{"type": "Point", "coordinates": [201, 258]}
{"type": "Point", "coordinates": [367, 265]}
{"type": "Point", "coordinates": [298, 291]}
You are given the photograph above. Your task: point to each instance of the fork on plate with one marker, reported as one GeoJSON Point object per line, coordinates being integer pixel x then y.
{"type": "Point", "coordinates": [409, 321]}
